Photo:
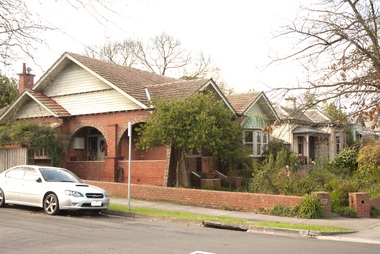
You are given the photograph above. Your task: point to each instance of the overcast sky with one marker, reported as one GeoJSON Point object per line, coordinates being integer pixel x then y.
{"type": "Point", "coordinates": [237, 34]}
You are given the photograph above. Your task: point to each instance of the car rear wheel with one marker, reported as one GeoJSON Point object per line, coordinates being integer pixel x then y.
{"type": "Point", "coordinates": [2, 198]}
{"type": "Point", "coordinates": [51, 205]}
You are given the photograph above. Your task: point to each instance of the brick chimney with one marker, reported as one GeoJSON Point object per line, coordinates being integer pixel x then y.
{"type": "Point", "coordinates": [26, 79]}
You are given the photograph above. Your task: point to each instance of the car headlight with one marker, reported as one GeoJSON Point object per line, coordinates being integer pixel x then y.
{"type": "Point", "coordinates": [76, 194]}
{"type": "Point", "coordinates": [105, 194]}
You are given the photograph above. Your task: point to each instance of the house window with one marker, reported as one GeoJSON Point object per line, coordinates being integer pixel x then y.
{"type": "Point", "coordinates": [255, 141]}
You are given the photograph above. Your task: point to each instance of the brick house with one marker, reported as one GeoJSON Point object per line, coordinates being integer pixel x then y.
{"type": "Point", "coordinates": [92, 103]}
{"type": "Point", "coordinates": [256, 114]}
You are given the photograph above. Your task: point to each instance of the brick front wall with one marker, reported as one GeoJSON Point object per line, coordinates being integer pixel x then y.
{"type": "Point", "coordinates": [91, 170]}
{"type": "Point", "coordinates": [238, 201]}
{"type": "Point", "coordinates": [144, 172]}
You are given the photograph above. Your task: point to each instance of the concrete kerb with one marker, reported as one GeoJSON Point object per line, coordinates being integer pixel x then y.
{"type": "Point", "coordinates": [133, 215]}
{"type": "Point", "coordinates": [228, 226]}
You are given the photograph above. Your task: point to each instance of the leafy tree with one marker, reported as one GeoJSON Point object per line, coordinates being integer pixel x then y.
{"type": "Point", "coordinates": [335, 113]}
{"type": "Point", "coordinates": [197, 123]}
{"type": "Point", "coordinates": [338, 43]}
{"type": "Point", "coordinates": [369, 156]}
{"type": "Point", "coordinates": [8, 90]}
{"type": "Point", "coordinates": [34, 137]}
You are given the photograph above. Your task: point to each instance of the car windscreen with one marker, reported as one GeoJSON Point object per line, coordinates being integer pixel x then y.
{"type": "Point", "coordinates": [59, 175]}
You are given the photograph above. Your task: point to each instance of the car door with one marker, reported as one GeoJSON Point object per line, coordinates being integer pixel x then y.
{"type": "Point", "coordinates": [32, 190]}
{"type": "Point", "coordinates": [13, 184]}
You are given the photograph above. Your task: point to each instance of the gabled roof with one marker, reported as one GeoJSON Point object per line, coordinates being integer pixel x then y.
{"type": "Point", "coordinates": [312, 115]}
{"type": "Point", "coordinates": [176, 89]}
{"type": "Point", "coordinates": [45, 102]}
{"type": "Point", "coordinates": [49, 104]}
{"type": "Point", "coordinates": [244, 102]}
{"type": "Point", "coordinates": [136, 85]}
{"type": "Point", "coordinates": [128, 80]}
{"type": "Point", "coordinates": [180, 89]}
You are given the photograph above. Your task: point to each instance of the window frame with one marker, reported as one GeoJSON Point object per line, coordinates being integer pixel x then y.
{"type": "Point", "coordinates": [256, 147]}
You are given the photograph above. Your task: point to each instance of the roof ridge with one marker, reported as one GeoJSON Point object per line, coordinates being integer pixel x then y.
{"type": "Point", "coordinates": [178, 81]}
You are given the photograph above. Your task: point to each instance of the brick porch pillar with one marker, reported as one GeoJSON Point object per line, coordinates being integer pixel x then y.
{"type": "Point", "coordinates": [325, 202]}
{"type": "Point", "coordinates": [360, 202]}
{"type": "Point", "coordinates": [111, 160]}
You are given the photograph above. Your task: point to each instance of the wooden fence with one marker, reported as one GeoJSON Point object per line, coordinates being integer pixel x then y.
{"type": "Point", "coordinates": [10, 157]}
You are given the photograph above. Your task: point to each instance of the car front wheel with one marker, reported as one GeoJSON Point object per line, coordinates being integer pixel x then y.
{"type": "Point", "coordinates": [2, 198]}
{"type": "Point", "coordinates": [51, 205]}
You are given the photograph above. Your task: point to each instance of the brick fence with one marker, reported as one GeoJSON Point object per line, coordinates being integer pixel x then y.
{"type": "Point", "coordinates": [238, 201]}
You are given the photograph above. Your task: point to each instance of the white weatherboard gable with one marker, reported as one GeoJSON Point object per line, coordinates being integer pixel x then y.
{"type": "Point", "coordinates": [141, 105]}
{"type": "Point", "coordinates": [96, 102]}
{"type": "Point", "coordinates": [72, 80]}
{"type": "Point", "coordinates": [80, 92]}
{"type": "Point", "coordinates": [32, 109]}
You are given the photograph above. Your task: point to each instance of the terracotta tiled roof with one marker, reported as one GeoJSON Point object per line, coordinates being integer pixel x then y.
{"type": "Point", "coordinates": [130, 80]}
{"type": "Point", "coordinates": [242, 101]}
{"type": "Point", "coordinates": [49, 103]}
{"type": "Point", "coordinates": [176, 89]}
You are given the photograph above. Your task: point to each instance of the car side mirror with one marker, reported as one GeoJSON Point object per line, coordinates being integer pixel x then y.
{"type": "Point", "coordinates": [39, 180]}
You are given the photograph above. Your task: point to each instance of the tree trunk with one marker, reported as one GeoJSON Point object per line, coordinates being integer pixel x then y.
{"type": "Point", "coordinates": [182, 172]}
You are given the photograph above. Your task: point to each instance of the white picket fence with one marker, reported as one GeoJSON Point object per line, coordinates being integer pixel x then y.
{"type": "Point", "coordinates": [12, 157]}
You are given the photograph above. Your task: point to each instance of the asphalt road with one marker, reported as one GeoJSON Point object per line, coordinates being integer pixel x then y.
{"type": "Point", "coordinates": [26, 230]}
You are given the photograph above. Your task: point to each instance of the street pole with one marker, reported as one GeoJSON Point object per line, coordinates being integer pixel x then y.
{"type": "Point", "coordinates": [129, 163]}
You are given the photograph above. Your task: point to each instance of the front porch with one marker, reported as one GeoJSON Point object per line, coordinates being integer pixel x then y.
{"type": "Point", "coordinates": [309, 144]}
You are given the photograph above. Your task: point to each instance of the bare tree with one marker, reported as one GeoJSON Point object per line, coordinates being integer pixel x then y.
{"type": "Point", "coordinates": [162, 54]}
{"type": "Point", "coordinates": [122, 53]}
{"type": "Point", "coordinates": [21, 30]}
{"type": "Point", "coordinates": [202, 66]}
{"type": "Point", "coordinates": [339, 44]}
{"type": "Point", "coordinates": [17, 31]}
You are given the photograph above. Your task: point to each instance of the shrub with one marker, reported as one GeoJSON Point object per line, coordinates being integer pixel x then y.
{"type": "Point", "coordinates": [348, 212]}
{"type": "Point", "coordinates": [274, 147]}
{"type": "Point", "coordinates": [369, 156]}
{"type": "Point", "coordinates": [346, 159]}
{"type": "Point", "coordinates": [280, 210]}
{"type": "Point", "coordinates": [310, 207]}
{"type": "Point", "coordinates": [374, 213]}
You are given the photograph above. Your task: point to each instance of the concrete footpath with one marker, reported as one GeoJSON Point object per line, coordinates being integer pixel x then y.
{"type": "Point", "coordinates": [363, 230]}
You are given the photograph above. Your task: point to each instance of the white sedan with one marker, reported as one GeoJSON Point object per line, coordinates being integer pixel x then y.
{"type": "Point", "coordinates": [53, 189]}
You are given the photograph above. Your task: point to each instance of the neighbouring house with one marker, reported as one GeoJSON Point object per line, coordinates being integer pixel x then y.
{"type": "Point", "coordinates": [362, 127]}
{"type": "Point", "coordinates": [93, 103]}
{"type": "Point", "coordinates": [256, 114]}
{"type": "Point", "coordinates": [309, 132]}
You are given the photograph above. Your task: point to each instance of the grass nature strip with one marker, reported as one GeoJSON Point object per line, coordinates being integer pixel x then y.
{"type": "Point", "coordinates": [190, 216]}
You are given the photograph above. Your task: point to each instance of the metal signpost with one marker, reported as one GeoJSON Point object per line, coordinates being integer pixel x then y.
{"type": "Point", "coordinates": [129, 163]}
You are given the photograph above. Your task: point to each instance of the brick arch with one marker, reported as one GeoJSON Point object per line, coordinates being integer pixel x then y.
{"type": "Point", "coordinates": [88, 123]}
{"type": "Point", "coordinates": [124, 127]}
